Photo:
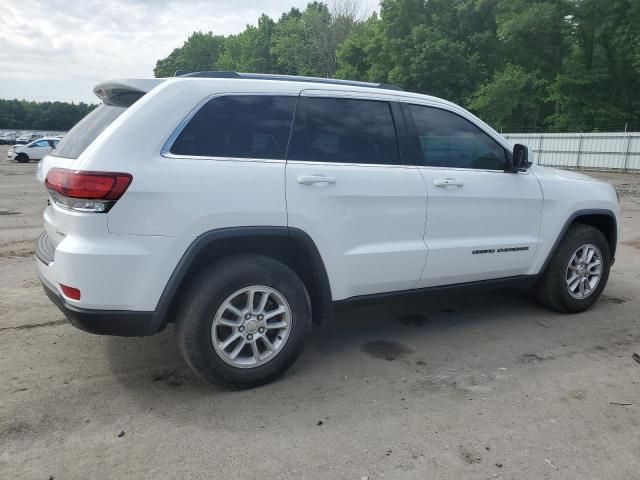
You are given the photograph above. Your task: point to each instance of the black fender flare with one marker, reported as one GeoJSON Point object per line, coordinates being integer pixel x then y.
{"type": "Point", "coordinates": [206, 239]}
{"type": "Point", "coordinates": [582, 213]}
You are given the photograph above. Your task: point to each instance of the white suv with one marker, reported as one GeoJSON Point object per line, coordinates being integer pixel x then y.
{"type": "Point", "coordinates": [33, 151]}
{"type": "Point", "coordinates": [243, 207]}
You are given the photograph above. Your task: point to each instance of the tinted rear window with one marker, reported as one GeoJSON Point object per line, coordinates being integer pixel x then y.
{"type": "Point", "coordinates": [87, 130]}
{"type": "Point", "coordinates": [242, 126]}
{"type": "Point", "coordinates": [344, 131]}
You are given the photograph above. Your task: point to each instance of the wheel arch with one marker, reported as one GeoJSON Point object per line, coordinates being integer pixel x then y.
{"type": "Point", "coordinates": [602, 219]}
{"type": "Point", "coordinates": [291, 246]}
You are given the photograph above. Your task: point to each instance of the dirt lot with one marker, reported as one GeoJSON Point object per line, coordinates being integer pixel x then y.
{"type": "Point", "coordinates": [475, 386]}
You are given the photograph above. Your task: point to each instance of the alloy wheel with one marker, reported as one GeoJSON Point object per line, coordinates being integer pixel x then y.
{"type": "Point", "coordinates": [251, 327]}
{"type": "Point", "coordinates": [584, 271]}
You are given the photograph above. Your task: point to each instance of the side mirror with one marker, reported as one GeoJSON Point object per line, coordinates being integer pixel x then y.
{"type": "Point", "coordinates": [520, 158]}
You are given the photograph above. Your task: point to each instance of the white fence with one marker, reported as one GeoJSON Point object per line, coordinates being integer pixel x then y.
{"type": "Point", "coordinates": [588, 151]}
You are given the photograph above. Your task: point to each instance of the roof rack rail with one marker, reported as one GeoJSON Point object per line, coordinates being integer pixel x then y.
{"type": "Point", "coordinates": [285, 78]}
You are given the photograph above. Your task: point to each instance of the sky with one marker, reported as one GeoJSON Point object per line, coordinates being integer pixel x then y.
{"type": "Point", "coordinates": [60, 49]}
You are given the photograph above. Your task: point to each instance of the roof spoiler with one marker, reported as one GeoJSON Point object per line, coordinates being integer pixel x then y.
{"type": "Point", "coordinates": [112, 92]}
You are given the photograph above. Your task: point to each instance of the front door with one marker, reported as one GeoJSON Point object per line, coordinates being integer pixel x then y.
{"type": "Point", "coordinates": [482, 222]}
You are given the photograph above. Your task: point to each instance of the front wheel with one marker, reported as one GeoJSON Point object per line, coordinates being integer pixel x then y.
{"type": "Point", "coordinates": [577, 272]}
{"type": "Point", "coordinates": [22, 158]}
{"type": "Point", "coordinates": [244, 321]}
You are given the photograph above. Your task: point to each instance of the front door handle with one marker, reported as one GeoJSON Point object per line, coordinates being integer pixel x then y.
{"type": "Point", "coordinates": [448, 182]}
{"type": "Point", "coordinates": [312, 179]}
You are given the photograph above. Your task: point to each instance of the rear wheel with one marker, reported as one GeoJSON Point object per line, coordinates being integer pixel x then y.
{"type": "Point", "coordinates": [577, 272]}
{"type": "Point", "coordinates": [244, 321]}
{"type": "Point", "coordinates": [22, 158]}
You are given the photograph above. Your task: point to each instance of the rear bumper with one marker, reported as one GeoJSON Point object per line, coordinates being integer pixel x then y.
{"type": "Point", "coordinates": [124, 323]}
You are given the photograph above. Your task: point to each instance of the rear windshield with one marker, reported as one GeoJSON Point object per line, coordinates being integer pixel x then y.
{"type": "Point", "coordinates": [87, 130]}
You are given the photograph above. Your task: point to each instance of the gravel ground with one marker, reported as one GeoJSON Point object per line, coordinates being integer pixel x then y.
{"type": "Point", "coordinates": [467, 386]}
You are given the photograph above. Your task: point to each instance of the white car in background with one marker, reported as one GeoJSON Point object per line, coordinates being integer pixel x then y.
{"type": "Point", "coordinates": [8, 138]}
{"type": "Point", "coordinates": [35, 150]}
{"type": "Point", "coordinates": [26, 137]}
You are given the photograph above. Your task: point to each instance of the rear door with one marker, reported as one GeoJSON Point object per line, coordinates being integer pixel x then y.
{"type": "Point", "coordinates": [348, 189]}
{"type": "Point", "coordinates": [482, 222]}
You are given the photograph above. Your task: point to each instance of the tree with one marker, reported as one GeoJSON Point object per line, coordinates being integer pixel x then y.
{"type": "Point", "coordinates": [557, 64]}
{"type": "Point", "coordinates": [307, 44]}
{"type": "Point", "coordinates": [433, 47]}
{"type": "Point", "coordinates": [511, 100]}
{"type": "Point", "coordinates": [355, 55]}
{"type": "Point", "coordinates": [250, 50]}
{"type": "Point", "coordinates": [534, 34]}
{"type": "Point", "coordinates": [200, 52]}
{"type": "Point", "coordinates": [21, 114]}
{"type": "Point", "coordinates": [600, 79]}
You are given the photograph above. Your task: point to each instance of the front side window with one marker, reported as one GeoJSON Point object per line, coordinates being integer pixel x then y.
{"type": "Point", "coordinates": [342, 130]}
{"type": "Point", "coordinates": [448, 140]}
{"type": "Point", "coordinates": [41, 143]}
{"type": "Point", "coordinates": [242, 126]}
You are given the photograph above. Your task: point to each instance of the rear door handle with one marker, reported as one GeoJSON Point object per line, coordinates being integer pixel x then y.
{"type": "Point", "coordinates": [448, 182]}
{"type": "Point", "coordinates": [312, 179]}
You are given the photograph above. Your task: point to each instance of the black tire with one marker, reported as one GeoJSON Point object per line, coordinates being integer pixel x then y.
{"type": "Point", "coordinates": [206, 294]}
{"type": "Point", "coordinates": [551, 289]}
{"type": "Point", "coordinates": [22, 158]}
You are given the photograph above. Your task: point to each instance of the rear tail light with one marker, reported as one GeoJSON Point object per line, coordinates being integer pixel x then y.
{"type": "Point", "coordinates": [86, 191]}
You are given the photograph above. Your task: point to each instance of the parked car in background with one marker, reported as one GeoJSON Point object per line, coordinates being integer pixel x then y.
{"type": "Point", "coordinates": [26, 137]}
{"type": "Point", "coordinates": [35, 150]}
{"type": "Point", "coordinates": [21, 138]}
{"type": "Point", "coordinates": [8, 138]}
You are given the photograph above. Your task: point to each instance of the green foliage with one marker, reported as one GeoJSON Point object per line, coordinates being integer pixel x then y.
{"type": "Point", "coordinates": [518, 64]}
{"type": "Point", "coordinates": [250, 50]}
{"type": "Point", "coordinates": [60, 116]}
{"type": "Point", "coordinates": [306, 44]}
{"type": "Point", "coordinates": [514, 97]}
{"type": "Point", "coordinates": [534, 34]}
{"type": "Point", "coordinates": [201, 51]}
{"type": "Point", "coordinates": [355, 56]}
